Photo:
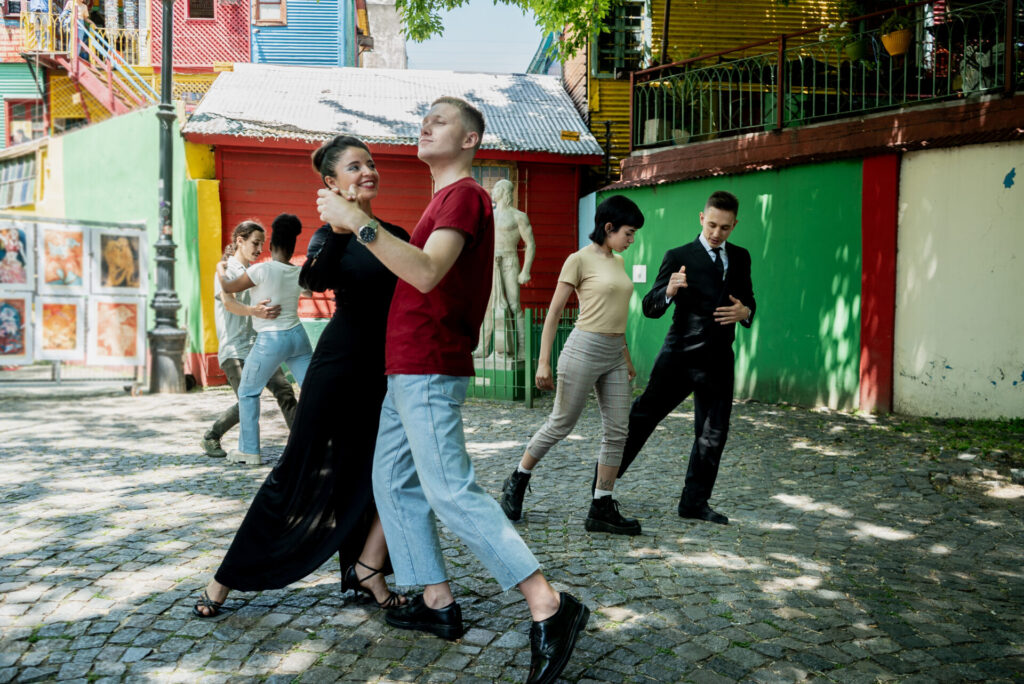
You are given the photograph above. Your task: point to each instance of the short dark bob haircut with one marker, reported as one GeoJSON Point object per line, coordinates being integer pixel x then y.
{"type": "Point", "coordinates": [619, 211]}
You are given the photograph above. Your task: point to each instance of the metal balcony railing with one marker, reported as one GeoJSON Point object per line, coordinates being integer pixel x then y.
{"type": "Point", "coordinates": [971, 48]}
{"type": "Point", "coordinates": [44, 33]}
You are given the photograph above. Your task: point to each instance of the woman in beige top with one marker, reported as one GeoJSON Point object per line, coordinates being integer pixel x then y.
{"type": "Point", "coordinates": [594, 357]}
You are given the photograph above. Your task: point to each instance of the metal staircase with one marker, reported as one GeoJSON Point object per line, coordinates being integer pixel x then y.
{"type": "Point", "coordinates": [83, 51]}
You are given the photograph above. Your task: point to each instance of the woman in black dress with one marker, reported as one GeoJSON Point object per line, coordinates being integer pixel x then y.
{"type": "Point", "coordinates": [318, 499]}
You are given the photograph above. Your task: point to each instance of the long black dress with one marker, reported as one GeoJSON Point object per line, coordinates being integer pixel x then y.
{"type": "Point", "coordinates": [318, 499]}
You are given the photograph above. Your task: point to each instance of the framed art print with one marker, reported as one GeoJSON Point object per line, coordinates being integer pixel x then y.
{"type": "Point", "coordinates": [63, 263]}
{"type": "Point", "coordinates": [118, 261]}
{"type": "Point", "coordinates": [15, 329]}
{"type": "Point", "coordinates": [60, 328]}
{"type": "Point", "coordinates": [17, 256]}
{"type": "Point", "coordinates": [116, 331]}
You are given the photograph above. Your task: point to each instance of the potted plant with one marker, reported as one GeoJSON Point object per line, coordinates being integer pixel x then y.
{"type": "Point", "coordinates": [895, 32]}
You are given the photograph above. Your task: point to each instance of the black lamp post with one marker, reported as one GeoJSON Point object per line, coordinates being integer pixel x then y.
{"type": "Point", "coordinates": [166, 339]}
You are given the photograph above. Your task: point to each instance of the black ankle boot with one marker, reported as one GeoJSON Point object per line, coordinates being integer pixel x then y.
{"type": "Point", "coordinates": [512, 493]}
{"type": "Point", "coordinates": [604, 516]}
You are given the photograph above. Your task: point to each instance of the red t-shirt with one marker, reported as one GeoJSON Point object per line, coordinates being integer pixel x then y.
{"type": "Point", "coordinates": [435, 333]}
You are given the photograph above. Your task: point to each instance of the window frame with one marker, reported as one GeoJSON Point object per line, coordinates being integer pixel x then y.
{"type": "Point", "coordinates": [282, 21]}
{"type": "Point", "coordinates": [22, 7]}
{"type": "Point", "coordinates": [188, 12]}
{"type": "Point", "coordinates": [619, 71]}
{"type": "Point", "coordinates": [9, 105]}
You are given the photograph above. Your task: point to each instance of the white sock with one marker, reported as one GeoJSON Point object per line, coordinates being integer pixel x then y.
{"type": "Point", "coordinates": [601, 493]}
{"type": "Point", "coordinates": [524, 471]}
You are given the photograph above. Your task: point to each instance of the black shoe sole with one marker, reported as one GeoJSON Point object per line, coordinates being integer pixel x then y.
{"type": "Point", "coordinates": [592, 525]}
{"type": "Point", "coordinates": [449, 632]}
{"type": "Point", "coordinates": [577, 629]}
{"type": "Point", "coordinates": [688, 516]}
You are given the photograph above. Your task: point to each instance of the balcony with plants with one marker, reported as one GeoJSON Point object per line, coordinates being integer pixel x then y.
{"type": "Point", "coordinates": [908, 55]}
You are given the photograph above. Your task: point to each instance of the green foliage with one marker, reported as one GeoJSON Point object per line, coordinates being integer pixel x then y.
{"type": "Point", "coordinates": [894, 22]}
{"type": "Point", "coordinates": [573, 19]}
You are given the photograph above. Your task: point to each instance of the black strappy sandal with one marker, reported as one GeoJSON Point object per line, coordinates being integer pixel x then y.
{"type": "Point", "coordinates": [214, 607]}
{"type": "Point", "coordinates": [350, 582]}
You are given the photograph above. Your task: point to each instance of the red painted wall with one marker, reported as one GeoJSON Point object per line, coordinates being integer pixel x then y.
{"type": "Point", "coordinates": [879, 207]}
{"type": "Point", "coordinates": [263, 183]}
{"type": "Point", "coordinates": [10, 41]}
{"type": "Point", "coordinates": [201, 42]}
{"type": "Point", "coordinates": [549, 194]}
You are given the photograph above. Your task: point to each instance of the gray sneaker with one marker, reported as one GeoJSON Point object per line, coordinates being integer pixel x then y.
{"type": "Point", "coordinates": [211, 447]}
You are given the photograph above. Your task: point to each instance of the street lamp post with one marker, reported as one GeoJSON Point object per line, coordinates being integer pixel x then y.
{"type": "Point", "coordinates": [166, 339]}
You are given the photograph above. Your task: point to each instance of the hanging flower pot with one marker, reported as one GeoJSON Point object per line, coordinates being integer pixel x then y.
{"type": "Point", "coordinates": [854, 49]}
{"type": "Point", "coordinates": [897, 42]}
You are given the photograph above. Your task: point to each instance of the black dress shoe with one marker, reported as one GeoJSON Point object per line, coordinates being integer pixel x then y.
{"type": "Point", "coordinates": [703, 513]}
{"type": "Point", "coordinates": [553, 640]}
{"type": "Point", "coordinates": [444, 622]}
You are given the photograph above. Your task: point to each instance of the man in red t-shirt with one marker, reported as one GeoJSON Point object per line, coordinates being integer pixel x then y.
{"type": "Point", "coordinates": [421, 467]}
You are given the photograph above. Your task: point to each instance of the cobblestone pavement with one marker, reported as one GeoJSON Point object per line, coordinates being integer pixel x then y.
{"type": "Point", "coordinates": [851, 557]}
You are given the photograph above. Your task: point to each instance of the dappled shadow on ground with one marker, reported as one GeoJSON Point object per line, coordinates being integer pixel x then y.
{"type": "Point", "coordinates": [843, 560]}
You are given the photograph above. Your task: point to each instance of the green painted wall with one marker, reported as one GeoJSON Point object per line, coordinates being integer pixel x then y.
{"type": "Point", "coordinates": [112, 172]}
{"type": "Point", "coordinates": [802, 226]}
{"type": "Point", "coordinates": [16, 83]}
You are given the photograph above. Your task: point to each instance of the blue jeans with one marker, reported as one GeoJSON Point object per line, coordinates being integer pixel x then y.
{"type": "Point", "coordinates": [421, 469]}
{"type": "Point", "coordinates": [271, 349]}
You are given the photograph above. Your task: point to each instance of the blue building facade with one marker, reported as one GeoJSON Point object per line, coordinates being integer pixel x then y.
{"type": "Point", "coordinates": [307, 33]}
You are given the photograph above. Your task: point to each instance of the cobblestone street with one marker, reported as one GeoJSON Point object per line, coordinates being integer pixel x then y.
{"type": "Point", "coordinates": [852, 556]}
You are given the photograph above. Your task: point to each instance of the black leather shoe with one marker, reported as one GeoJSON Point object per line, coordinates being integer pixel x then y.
{"type": "Point", "coordinates": [444, 622]}
{"type": "Point", "coordinates": [553, 640]}
{"type": "Point", "coordinates": [512, 492]}
{"type": "Point", "coordinates": [703, 513]}
{"type": "Point", "coordinates": [604, 516]}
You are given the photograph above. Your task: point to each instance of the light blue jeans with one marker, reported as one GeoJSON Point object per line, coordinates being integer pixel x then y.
{"type": "Point", "coordinates": [271, 349]}
{"type": "Point", "coordinates": [421, 470]}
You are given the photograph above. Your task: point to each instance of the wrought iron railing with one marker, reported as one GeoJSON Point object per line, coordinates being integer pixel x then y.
{"type": "Point", "coordinates": [972, 48]}
{"type": "Point", "coordinates": [43, 32]}
{"type": "Point", "coordinates": [506, 362]}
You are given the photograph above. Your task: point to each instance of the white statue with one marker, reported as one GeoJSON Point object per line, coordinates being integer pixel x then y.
{"type": "Point", "coordinates": [510, 225]}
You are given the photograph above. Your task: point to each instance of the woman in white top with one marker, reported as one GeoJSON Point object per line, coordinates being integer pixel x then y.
{"type": "Point", "coordinates": [594, 357]}
{"type": "Point", "coordinates": [278, 340]}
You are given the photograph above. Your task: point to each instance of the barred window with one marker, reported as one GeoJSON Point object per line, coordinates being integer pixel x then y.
{"type": "Point", "coordinates": [620, 48]}
{"type": "Point", "coordinates": [200, 9]}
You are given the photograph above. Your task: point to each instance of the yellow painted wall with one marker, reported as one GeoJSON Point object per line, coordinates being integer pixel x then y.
{"type": "Point", "coordinates": [960, 260]}
{"type": "Point", "coordinates": [701, 27]}
{"type": "Point", "coordinates": [608, 100]}
{"type": "Point", "coordinates": [62, 105]}
{"type": "Point", "coordinates": [208, 209]}
{"type": "Point", "coordinates": [199, 161]}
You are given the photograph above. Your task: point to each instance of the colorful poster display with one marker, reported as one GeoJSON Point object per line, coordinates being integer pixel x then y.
{"type": "Point", "coordinates": [116, 331]}
{"type": "Point", "coordinates": [15, 329]}
{"type": "Point", "coordinates": [119, 261]}
{"type": "Point", "coordinates": [17, 263]}
{"type": "Point", "coordinates": [60, 328]}
{"type": "Point", "coordinates": [63, 267]}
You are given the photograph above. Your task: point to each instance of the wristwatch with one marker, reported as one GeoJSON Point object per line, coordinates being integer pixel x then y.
{"type": "Point", "coordinates": [368, 233]}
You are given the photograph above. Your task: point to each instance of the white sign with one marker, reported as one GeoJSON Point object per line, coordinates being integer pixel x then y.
{"type": "Point", "coordinates": [639, 273]}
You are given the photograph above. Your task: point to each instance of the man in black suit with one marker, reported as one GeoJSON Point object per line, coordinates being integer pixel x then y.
{"type": "Point", "coordinates": [708, 280]}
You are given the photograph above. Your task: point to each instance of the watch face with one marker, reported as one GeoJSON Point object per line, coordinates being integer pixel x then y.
{"type": "Point", "coordinates": [367, 233]}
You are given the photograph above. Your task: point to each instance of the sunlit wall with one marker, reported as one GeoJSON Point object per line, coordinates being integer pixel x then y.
{"type": "Point", "coordinates": [802, 226]}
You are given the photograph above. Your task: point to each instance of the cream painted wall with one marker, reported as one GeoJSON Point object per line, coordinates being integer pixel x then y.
{"type": "Point", "coordinates": [50, 186]}
{"type": "Point", "coordinates": [959, 338]}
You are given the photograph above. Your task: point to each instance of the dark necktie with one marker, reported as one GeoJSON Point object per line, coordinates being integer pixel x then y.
{"type": "Point", "coordinates": [719, 266]}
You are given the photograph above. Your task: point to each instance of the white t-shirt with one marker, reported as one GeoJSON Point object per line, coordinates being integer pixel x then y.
{"type": "Point", "coordinates": [280, 284]}
{"type": "Point", "coordinates": [234, 333]}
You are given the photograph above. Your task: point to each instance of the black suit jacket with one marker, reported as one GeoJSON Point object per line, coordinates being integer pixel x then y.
{"type": "Point", "coordinates": [693, 323]}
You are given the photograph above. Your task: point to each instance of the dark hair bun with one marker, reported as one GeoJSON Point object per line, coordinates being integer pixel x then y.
{"type": "Point", "coordinates": [287, 225]}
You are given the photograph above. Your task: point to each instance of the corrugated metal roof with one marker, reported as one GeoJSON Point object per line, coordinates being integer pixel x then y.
{"type": "Point", "coordinates": [524, 112]}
